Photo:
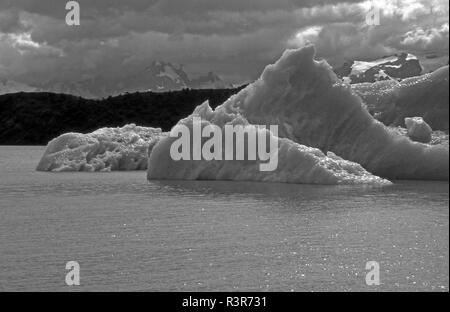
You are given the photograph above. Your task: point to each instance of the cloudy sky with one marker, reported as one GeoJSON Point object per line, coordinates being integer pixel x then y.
{"type": "Point", "coordinates": [234, 38]}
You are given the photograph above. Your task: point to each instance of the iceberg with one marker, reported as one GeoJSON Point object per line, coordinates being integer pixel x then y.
{"type": "Point", "coordinates": [425, 96]}
{"type": "Point", "coordinates": [418, 130]}
{"type": "Point", "coordinates": [106, 149]}
{"type": "Point", "coordinates": [319, 112]}
{"type": "Point", "coordinates": [296, 163]}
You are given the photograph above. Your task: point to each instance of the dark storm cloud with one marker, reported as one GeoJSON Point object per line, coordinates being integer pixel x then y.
{"type": "Point", "coordinates": [103, 18]}
{"type": "Point", "coordinates": [235, 38]}
{"type": "Point", "coordinates": [10, 21]}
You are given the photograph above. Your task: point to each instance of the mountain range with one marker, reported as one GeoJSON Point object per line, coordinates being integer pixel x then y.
{"type": "Point", "coordinates": [157, 77]}
{"type": "Point", "coordinates": [393, 67]}
{"type": "Point", "coordinates": [162, 76]}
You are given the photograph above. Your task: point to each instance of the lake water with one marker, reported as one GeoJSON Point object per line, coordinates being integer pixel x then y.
{"type": "Point", "coordinates": [129, 234]}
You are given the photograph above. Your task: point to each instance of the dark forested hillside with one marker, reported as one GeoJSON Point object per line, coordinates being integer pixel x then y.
{"type": "Point", "coordinates": [36, 118]}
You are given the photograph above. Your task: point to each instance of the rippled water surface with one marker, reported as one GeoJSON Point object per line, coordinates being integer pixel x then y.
{"type": "Point", "coordinates": [130, 234]}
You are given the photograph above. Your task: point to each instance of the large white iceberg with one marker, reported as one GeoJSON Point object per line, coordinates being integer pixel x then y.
{"type": "Point", "coordinates": [103, 150]}
{"type": "Point", "coordinates": [314, 108]}
{"type": "Point", "coordinates": [296, 163]}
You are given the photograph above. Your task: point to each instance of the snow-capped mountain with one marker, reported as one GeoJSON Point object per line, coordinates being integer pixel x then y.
{"type": "Point", "coordinates": [157, 77]}
{"type": "Point", "coordinates": [210, 81]}
{"type": "Point", "coordinates": [396, 67]}
{"type": "Point", "coordinates": [163, 76]}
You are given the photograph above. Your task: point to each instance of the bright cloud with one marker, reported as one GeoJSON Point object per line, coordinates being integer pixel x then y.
{"type": "Point", "coordinates": [431, 38]}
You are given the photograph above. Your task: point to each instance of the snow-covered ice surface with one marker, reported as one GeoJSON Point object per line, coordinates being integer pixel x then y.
{"type": "Point", "coordinates": [103, 150]}
{"type": "Point", "coordinates": [296, 163]}
{"type": "Point", "coordinates": [425, 96]}
{"type": "Point", "coordinates": [418, 130]}
{"type": "Point", "coordinates": [439, 138]}
{"type": "Point", "coordinates": [314, 108]}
